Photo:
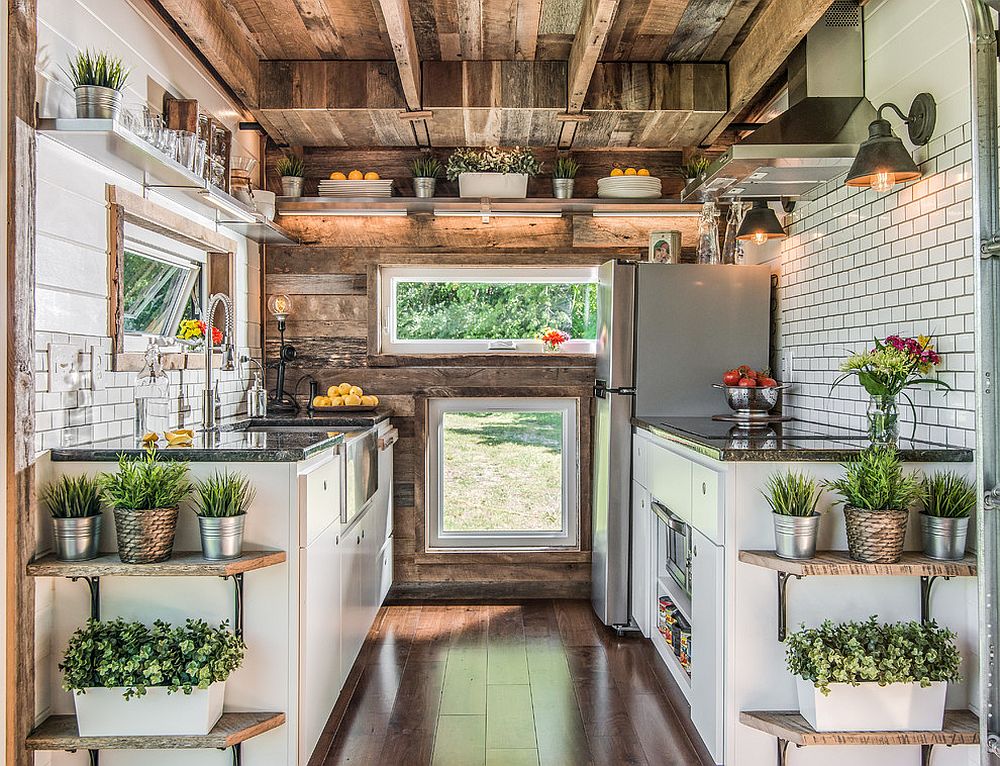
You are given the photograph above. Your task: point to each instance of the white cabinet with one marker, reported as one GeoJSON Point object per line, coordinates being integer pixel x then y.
{"type": "Point", "coordinates": [707, 642]}
{"type": "Point", "coordinates": [669, 480]}
{"type": "Point", "coordinates": [706, 503]}
{"type": "Point", "coordinates": [642, 568]}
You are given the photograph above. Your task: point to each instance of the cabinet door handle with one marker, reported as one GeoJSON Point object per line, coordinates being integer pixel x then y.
{"type": "Point", "coordinates": [362, 534]}
{"type": "Point", "coordinates": [704, 488]}
{"type": "Point", "coordinates": [324, 485]}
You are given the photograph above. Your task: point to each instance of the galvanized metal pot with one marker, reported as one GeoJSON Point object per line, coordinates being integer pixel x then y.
{"type": "Point", "coordinates": [424, 187]}
{"type": "Point", "coordinates": [96, 103]}
{"type": "Point", "coordinates": [145, 537]}
{"type": "Point", "coordinates": [795, 536]}
{"type": "Point", "coordinates": [77, 539]}
{"type": "Point", "coordinates": [291, 186]}
{"type": "Point", "coordinates": [222, 536]}
{"type": "Point", "coordinates": [562, 188]}
{"type": "Point", "coordinates": [944, 538]}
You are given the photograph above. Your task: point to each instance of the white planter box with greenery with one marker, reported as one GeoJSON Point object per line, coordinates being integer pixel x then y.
{"type": "Point", "coordinates": [104, 712]}
{"type": "Point", "coordinates": [872, 676]}
{"type": "Point", "coordinates": [493, 172]}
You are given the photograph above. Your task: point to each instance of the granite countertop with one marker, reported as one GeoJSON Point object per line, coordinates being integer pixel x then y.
{"type": "Point", "coordinates": [794, 440]}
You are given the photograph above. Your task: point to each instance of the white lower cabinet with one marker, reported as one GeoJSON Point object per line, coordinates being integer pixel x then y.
{"type": "Point", "coordinates": [642, 567]}
{"type": "Point", "coordinates": [707, 642]}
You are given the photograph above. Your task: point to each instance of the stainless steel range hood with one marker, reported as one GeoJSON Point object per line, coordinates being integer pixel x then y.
{"type": "Point", "coordinates": [817, 137]}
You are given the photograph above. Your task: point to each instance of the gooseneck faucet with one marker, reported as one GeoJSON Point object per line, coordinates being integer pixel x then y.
{"type": "Point", "coordinates": [210, 397]}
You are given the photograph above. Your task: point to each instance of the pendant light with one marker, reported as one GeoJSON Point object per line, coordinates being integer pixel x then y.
{"type": "Point", "coordinates": [883, 161]}
{"type": "Point", "coordinates": [760, 224]}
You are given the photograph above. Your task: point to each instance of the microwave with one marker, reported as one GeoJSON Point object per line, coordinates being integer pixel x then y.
{"type": "Point", "coordinates": [673, 545]}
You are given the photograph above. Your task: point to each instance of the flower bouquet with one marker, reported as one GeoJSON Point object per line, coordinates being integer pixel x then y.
{"type": "Point", "coordinates": [885, 372]}
{"type": "Point", "coordinates": [552, 339]}
{"type": "Point", "coordinates": [192, 332]}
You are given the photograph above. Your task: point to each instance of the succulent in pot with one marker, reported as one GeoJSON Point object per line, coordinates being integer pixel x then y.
{"type": "Point", "coordinates": [501, 173]}
{"type": "Point", "coordinates": [793, 498]}
{"type": "Point", "coordinates": [128, 678]}
{"type": "Point", "coordinates": [426, 171]}
{"type": "Point", "coordinates": [292, 171]}
{"type": "Point", "coordinates": [563, 175]}
{"type": "Point", "coordinates": [872, 676]}
{"type": "Point", "coordinates": [98, 81]}
{"type": "Point", "coordinates": [694, 168]}
{"type": "Point", "coordinates": [74, 503]}
{"type": "Point", "coordinates": [221, 503]}
{"type": "Point", "coordinates": [877, 496]}
{"type": "Point", "coordinates": [949, 500]}
{"type": "Point", "coordinates": [145, 495]}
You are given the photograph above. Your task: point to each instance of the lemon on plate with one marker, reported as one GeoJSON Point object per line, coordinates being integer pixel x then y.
{"type": "Point", "coordinates": [642, 172]}
{"type": "Point", "coordinates": [617, 172]}
{"type": "Point", "coordinates": [355, 175]}
{"type": "Point", "coordinates": [321, 401]}
{"type": "Point", "coordinates": [352, 400]}
{"type": "Point", "coordinates": [356, 390]}
{"type": "Point", "coordinates": [337, 176]}
{"type": "Point", "coordinates": [630, 171]}
{"type": "Point", "coordinates": [371, 175]}
{"type": "Point", "coordinates": [344, 389]}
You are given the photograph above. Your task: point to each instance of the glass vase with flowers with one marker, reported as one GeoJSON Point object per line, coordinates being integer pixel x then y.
{"type": "Point", "coordinates": [552, 339]}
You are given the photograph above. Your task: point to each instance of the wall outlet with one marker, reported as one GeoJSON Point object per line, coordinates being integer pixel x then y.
{"type": "Point", "coordinates": [786, 364]}
{"type": "Point", "coordinates": [98, 370]}
{"type": "Point", "coordinates": [64, 367]}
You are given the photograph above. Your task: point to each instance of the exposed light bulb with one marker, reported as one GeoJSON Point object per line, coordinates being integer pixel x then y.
{"type": "Point", "coordinates": [882, 181]}
{"type": "Point", "coordinates": [759, 237]}
{"type": "Point", "coordinates": [279, 305]}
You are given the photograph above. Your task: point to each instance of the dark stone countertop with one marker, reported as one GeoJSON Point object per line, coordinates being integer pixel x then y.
{"type": "Point", "coordinates": [790, 441]}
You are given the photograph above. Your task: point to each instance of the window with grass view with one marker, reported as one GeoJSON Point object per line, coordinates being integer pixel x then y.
{"type": "Point", "coordinates": [503, 473]}
{"type": "Point", "coordinates": [158, 292]}
{"type": "Point", "coordinates": [473, 309]}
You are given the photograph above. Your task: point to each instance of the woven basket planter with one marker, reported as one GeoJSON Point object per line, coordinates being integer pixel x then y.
{"type": "Point", "coordinates": [875, 537]}
{"type": "Point", "coordinates": [145, 537]}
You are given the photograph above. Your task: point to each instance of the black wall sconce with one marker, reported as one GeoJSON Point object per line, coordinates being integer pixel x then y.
{"type": "Point", "coordinates": [883, 161]}
{"type": "Point", "coordinates": [760, 224]}
{"type": "Point", "coordinates": [280, 307]}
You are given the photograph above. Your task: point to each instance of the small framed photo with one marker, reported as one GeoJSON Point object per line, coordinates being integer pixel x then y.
{"type": "Point", "coordinates": [664, 247]}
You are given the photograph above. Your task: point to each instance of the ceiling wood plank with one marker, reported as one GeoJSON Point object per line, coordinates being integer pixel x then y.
{"type": "Point", "coordinates": [779, 28]}
{"type": "Point", "coordinates": [730, 28]}
{"type": "Point", "coordinates": [499, 29]}
{"type": "Point", "coordinates": [588, 45]}
{"type": "Point", "coordinates": [399, 25]}
{"type": "Point", "coordinates": [696, 28]}
{"type": "Point", "coordinates": [529, 16]}
{"type": "Point", "coordinates": [470, 29]}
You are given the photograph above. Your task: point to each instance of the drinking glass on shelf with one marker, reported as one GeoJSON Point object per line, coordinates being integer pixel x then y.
{"type": "Point", "coordinates": [187, 142]}
{"type": "Point", "coordinates": [218, 174]}
{"type": "Point", "coordinates": [168, 142]}
{"type": "Point", "coordinates": [154, 126]}
{"type": "Point", "coordinates": [198, 166]}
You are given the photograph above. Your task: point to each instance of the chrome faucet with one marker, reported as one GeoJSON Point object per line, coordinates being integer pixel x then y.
{"type": "Point", "coordinates": [210, 397]}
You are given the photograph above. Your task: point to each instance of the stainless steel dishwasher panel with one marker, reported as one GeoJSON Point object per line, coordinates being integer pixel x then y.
{"type": "Point", "coordinates": [362, 473]}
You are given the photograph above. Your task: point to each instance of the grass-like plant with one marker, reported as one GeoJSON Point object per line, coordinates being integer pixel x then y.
{"type": "Point", "coordinates": [137, 656]}
{"type": "Point", "coordinates": [426, 167]}
{"type": "Point", "coordinates": [792, 494]}
{"type": "Point", "coordinates": [493, 159]}
{"type": "Point", "coordinates": [948, 495]}
{"type": "Point", "coordinates": [146, 483]}
{"type": "Point", "coordinates": [223, 495]}
{"type": "Point", "coordinates": [290, 166]}
{"type": "Point", "coordinates": [695, 167]}
{"type": "Point", "coordinates": [884, 653]}
{"type": "Point", "coordinates": [73, 497]}
{"type": "Point", "coordinates": [875, 481]}
{"type": "Point", "coordinates": [565, 167]}
{"type": "Point", "coordinates": [97, 69]}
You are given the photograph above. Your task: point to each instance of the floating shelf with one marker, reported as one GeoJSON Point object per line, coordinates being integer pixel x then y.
{"type": "Point", "coordinates": [109, 143]}
{"type": "Point", "coordinates": [961, 727]}
{"type": "Point", "coordinates": [840, 564]}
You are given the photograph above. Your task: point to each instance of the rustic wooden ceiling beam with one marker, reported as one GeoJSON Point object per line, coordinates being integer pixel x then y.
{"type": "Point", "coordinates": [399, 25]}
{"type": "Point", "coordinates": [588, 45]}
{"type": "Point", "coordinates": [779, 28]}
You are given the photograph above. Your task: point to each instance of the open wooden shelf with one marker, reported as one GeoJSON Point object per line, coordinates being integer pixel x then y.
{"type": "Point", "coordinates": [840, 563]}
{"type": "Point", "coordinates": [59, 732]}
{"type": "Point", "coordinates": [961, 727]}
{"type": "Point", "coordinates": [181, 564]}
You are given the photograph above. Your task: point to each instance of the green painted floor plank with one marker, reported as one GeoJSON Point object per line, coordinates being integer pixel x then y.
{"type": "Point", "coordinates": [547, 666]}
{"type": "Point", "coordinates": [509, 720]}
{"type": "Point", "coordinates": [507, 663]}
{"type": "Point", "coordinates": [508, 757]}
{"type": "Point", "coordinates": [464, 691]}
{"type": "Point", "coordinates": [460, 741]}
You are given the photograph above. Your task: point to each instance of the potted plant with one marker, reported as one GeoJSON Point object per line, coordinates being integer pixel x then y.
{"type": "Point", "coordinates": [793, 498]}
{"type": "Point", "coordinates": [949, 500]}
{"type": "Point", "coordinates": [877, 496]}
{"type": "Point", "coordinates": [694, 169]}
{"type": "Point", "coordinates": [128, 678]}
{"type": "Point", "coordinates": [493, 171]}
{"type": "Point", "coordinates": [563, 174]}
{"type": "Point", "coordinates": [98, 81]}
{"type": "Point", "coordinates": [425, 175]}
{"type": "Point", "coordinates": [221, 503]}
{"type": "Point", "coordinates": [145, 494]}
{"type": "Point", "coordinates": [292, 172]}
{"type": "Point", "coordinates": [868, 676]}
{"type": "Point", "coordinates": [75, 506]}
{"type": "Point", "coordinates": [885, 372]}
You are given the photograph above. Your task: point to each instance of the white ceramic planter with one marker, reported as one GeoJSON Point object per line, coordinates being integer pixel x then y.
{"type": "Point", "coordinates": [496, 185]}
{"type": "Point", "coordinates": [106, 713]}
{"type": "Point", "coordinates": [870, 707]}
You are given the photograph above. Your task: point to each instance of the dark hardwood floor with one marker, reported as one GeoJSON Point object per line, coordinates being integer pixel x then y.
{"type": "Point", "coordinates": [539, 683]}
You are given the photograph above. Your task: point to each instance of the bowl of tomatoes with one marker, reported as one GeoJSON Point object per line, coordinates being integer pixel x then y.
{"type": "Point", "coordinates": [751, 394]}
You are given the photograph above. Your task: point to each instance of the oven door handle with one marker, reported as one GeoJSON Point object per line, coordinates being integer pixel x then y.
{"type": "Point", "coordinates": [668, 517]}
{"type": "Point", "coordinates": [390, 438]}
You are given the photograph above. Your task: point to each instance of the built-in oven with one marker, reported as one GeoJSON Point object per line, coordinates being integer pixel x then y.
{"type": "Point", "coordinates": [673, 545]}
{"type": "Point", "coordinates": [361, 467]}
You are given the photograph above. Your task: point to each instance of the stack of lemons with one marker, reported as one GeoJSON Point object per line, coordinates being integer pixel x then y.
{"type": "Point", "coordinates": [345, 395]}
{"type": "Point", "coordinates": [355, 175]}
{"type": "Point", "coordinates": [629, 172]}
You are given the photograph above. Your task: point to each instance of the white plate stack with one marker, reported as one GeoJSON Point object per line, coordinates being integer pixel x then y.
{"type": "Point", "coordinates": [629, 187]}
{"type": "Point", "coordinates": [380, 188]}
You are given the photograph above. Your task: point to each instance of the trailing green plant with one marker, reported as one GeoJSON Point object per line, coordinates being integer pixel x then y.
{"type": "Point", "coordinates": [874, 481]}
{"type": "Point", "coordinates": [870, 651]}
{"type": "Point", "coordinates": [223, 495]}
{"type": "Point", "coordinates": [146, 483]}
{"type": "Point", "coordinates": [792, 494]}
{"type": "Point", "coordinates": [137, 656]}
{"type": "Point", "coordinates": [695, 167]}
{"type": "Point", "coordinates": [73, 497]}
{"type": "Point", "coordinates": [948, 495]}
{"type": "Point", "coordinates": [492, 159]}
{"type": "Point", "coordinates": [566, 167]}
{"type": "Point", "coordinates": [426, 167]}
{"type": "Point", "coordinates": [97, 69]}
{"type": "Point", "coordinates": [290, 166]}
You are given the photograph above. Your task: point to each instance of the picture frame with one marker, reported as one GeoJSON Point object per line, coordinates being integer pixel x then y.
{"type": "Point", "coordinates": [664, 247]}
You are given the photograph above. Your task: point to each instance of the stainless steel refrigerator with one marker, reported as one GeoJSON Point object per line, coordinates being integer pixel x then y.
{"type": "Point", "coordinates": [665, 334]}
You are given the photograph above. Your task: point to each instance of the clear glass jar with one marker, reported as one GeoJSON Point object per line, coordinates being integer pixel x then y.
{"type": "Point", "coordinates": [708, 234]}
{"type": "Point", "coordinates": [152, 395]}
{"type": "Point", "coordinates": [883, 420]}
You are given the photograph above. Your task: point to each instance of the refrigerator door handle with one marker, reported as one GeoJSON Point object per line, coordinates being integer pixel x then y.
{"type": "Point", "coordinates": [601, 390]}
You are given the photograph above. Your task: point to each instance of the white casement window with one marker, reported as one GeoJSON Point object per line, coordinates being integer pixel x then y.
{"type": "Point", "coordinates": [503, 474]}
{"type": "Point", "coordinates": [472, 309]}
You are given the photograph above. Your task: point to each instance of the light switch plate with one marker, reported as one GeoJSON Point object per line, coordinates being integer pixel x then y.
{"type": "Point", "coordinates": [98, 370]}
{"type": "Point", "coordinates": [64, 367]}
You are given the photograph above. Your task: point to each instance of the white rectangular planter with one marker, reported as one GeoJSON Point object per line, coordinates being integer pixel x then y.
{"type": "Point", "coordinates": [495, 185]}
{"type": "Point", "coordinates": [870, 707]}
{"type": "Point", "coordinates": [106, 713]}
